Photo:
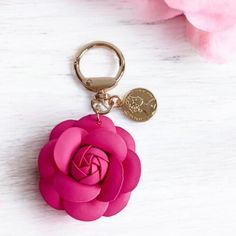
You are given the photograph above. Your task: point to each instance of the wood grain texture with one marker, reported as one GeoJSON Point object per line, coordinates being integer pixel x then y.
{"type": "Point", "coordinates": [188, 150]}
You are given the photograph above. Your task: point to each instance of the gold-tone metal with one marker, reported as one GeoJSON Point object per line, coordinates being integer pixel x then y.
{"type": "Point", "coordinates": [100, 103]}
{"type": "Point", "coordinates": [139, 105]}
{"type": "Point", "coordinates": [97, 84]}
{"type": "Point", "coordinates": [101, 107]}
{"type": "Point", "coordinates": [98, 119]}
{"type": "Point", "coordinates": [115, 101]}
{"type": "Point", "coordinates": [103, 103]}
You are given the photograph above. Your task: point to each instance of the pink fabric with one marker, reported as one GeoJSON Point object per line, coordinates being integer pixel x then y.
{"type": "Point", "coordinates": [89, 170]}
{"type": "Point", "coordinates": [210, 23]}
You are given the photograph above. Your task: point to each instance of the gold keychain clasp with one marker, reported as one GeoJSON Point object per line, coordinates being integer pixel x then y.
{"type": "Point", "coordinates": [139, 104]}
{"type": "Point", "coordinates": [97, 84]}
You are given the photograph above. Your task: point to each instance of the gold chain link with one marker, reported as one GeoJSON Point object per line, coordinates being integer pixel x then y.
{"type": "Point", "coordinates": [103, 103]}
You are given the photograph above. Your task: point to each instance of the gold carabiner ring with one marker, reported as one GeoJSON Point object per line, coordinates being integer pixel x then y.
{"type": "Point", "coordinates": [97, 84]}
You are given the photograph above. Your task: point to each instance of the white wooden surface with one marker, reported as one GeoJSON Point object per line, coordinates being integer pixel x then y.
{"type": "Point", "coordinates": [188, 150]}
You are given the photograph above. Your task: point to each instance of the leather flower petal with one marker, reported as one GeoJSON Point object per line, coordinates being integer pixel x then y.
{"type": "Point", "coordinates": [89, 165]}
{"type": "Point", "coordinates": [86, 211]}
{"type": "Point", "coordinates": [108, 141]}
{"type": "Point", "coordinates": [50, 195]}
{"type": "Point", "coordinates": [91, 179]}
{"type": "Point", "coordinates": [60, 128]}
{"type": "Point", "coordinates": [46, 164]}
{"type": "Point", "coordinates": [73, 191]}
{"type": "Point", "coordinates": [89, 123]}
{"type": "Point", "coordinates": [127, 138]}
{"type": "Point", "coordinates": [132, 171]}
{"type": "Point", "coordinates": [117, 205]}
{"type": "Point", "coordinates": [113, 181]}
{"type": "Point", "coordinates": [66, 146]}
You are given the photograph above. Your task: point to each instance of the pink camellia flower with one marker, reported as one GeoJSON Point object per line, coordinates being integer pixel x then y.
{"type": "Point", "coordinates": [211, 24]}
{"type": "Point", "coordinates": [88, 169]}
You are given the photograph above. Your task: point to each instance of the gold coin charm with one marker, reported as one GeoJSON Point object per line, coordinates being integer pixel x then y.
{"type": "Point", "coordinates": [139, 105]}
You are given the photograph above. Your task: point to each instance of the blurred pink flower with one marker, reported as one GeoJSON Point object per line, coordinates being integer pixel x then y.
{"type": "Point", "coordinates": [210, 24]}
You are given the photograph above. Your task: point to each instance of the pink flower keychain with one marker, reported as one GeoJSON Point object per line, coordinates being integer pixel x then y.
{"type": "Point", "coordinates": [89, 166]}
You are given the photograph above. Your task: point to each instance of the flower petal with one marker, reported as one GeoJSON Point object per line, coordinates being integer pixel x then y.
{"type": "Point", "coordinates": [103, 167]}
{"type": "Point", "coordinates": [113, 181]}
{"type": "Point", "coordinates": [132, 171]}
{"type": "Point", "coordinates": [73, 191]}
{"type": "Point", "coordinates": [117, 205]}
{"type": "Point", "coordinates": [46, 164]}
{"type": "Point", "coordinates": [211, 22]}
{"type": "Point", "coordinates": [107, 141]}
{"type": "Point", "coordinates": [65, 147]}
{"type": "Point", "coordinates": [90, 123]}
{"type": "Point", "coordinates": [155, 10]}
{"type": "Point", "coordinates": [217, 47]}
{"type": "Point", "coordinates": [60, 128]}
{"type": "Point", "coordinates": [50, 195]}
{"type": "Point", "coordinates": [99, 153]}
{"type": "Point", "coordinates": [77, 173]}
{"type": "Point", "coordinates": [91, 179]}
{"type": "Point", "coordinates": [86, 211]}
{"type": "Point", "coordinates": [127, 138]}
{"type": "Point", "coordinates": [227, 7]}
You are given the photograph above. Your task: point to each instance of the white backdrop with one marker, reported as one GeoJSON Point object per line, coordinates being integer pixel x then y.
{"type": "Point", "coordinates": [188, 150]}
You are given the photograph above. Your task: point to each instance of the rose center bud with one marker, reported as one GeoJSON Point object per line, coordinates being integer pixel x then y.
{"type": "Point", "coordinates": [89, 165]}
